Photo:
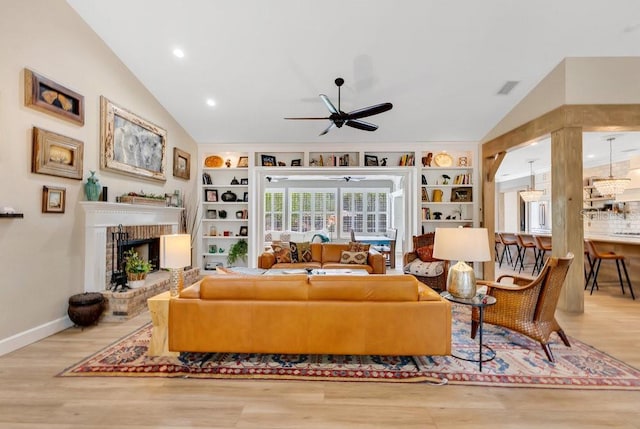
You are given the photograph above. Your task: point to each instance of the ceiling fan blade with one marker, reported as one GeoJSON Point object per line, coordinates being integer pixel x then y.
{"type": "Point", "coordinates": [305, 119]}
{"type": "Point", "coordinates": [329, 104]}
{"type": "Point", "coordinates": [328, 129]}
{"type": "Point", "coordinates": [369, 111]}
{"type": "Point", "coordinates": [361, 125]}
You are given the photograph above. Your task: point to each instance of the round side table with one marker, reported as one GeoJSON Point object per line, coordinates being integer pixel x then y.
{"type": "Point", "coordinates": [480, 302]}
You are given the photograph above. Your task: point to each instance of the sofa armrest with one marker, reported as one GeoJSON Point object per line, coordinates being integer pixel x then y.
{"type": "Point", "coordinates": [266, 260]}
{"type": "Point", "coordinates": [377, 262]}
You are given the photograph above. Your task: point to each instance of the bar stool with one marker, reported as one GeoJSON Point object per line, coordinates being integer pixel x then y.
{"type": "Point", "coordinates": [496, 245]}
{"type": "Point", "coordinates": [596, 259]}
{"type": "Point", "coordinates": [508, 239]}
{"type": "Point", "coordinates": [525, 241]}
{"type": "Point", "coordinates": [543, 245]}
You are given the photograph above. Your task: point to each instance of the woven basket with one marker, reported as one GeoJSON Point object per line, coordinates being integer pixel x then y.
{"type": "Point", "coordinates": [85, 308]}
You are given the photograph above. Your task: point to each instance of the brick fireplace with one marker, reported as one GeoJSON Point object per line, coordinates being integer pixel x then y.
{"type": "Point", "coordinates": [103, 218]}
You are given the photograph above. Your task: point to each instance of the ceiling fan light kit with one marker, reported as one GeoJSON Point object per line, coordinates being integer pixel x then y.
{"type": "Point", "coordinates": [611, 185]}
{"type": "Point", "coordinates": [352, 119]}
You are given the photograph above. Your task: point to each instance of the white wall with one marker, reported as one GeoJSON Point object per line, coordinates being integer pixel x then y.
{"type": "Point", "coordinates": [41, 256]}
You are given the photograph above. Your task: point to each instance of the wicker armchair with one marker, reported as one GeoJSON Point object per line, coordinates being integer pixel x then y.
{"type": "Point", "coordinates": [437, 283]}
{"type": "Point", "coordinates": [528, 306]}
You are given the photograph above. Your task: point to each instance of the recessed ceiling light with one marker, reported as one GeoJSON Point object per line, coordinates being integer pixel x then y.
{"type": "Point", "coordinates": [178, 53]}
{"type": "Point", "coordinates": [211, 102]}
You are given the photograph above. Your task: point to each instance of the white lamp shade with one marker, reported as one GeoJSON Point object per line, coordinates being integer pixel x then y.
{"type": "Point", "coordinates": [462, 244]}
{"type": "Point", "coordinates": [175, 251]}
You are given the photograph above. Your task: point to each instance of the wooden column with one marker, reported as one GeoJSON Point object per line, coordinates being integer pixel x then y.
{"type": "Point", "coordinates": [490, 166]}
{"type": "Point", "coordinates": [566, 206]}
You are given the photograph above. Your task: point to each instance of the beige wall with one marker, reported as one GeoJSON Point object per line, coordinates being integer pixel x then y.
{"type": "Point", "coordinates": [41, 255]}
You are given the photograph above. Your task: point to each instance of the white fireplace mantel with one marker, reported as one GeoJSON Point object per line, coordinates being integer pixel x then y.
{"type": "Point", "coordinates": [98, 216]}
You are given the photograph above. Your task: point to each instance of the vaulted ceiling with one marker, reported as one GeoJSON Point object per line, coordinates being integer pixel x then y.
{"type": "Point", "coordinates": [441, 63]}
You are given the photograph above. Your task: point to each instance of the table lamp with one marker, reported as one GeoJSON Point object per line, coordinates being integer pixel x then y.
{"type": "Point", "coordinates": [175, 254]}
{"type": "Point", "coordinates": [462, 245]}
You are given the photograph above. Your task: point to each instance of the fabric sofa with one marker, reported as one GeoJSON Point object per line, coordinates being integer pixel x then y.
{"type": "Point", "coordinates": [319, 314]}
{"type": "Point", "coordinates": [327, 256]}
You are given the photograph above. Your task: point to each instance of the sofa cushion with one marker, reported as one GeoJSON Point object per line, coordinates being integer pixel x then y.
{"type": "Point", "coordinates": [292, 287]}
{"type": "Point", "coordinates": [356, 246]}
{"type": "Point", "coordinates": [282, 252]}
{"type": "Point", "coordinates": [347, 257]}
{"type": "Point", "coordinates": [300, 252]}
{"type": "Point", "coordinates": [332, 252]}
{"type": "Point", "coordinates": [425, 253]}
{"type": "Point", "coordinates": [425, 269]}
{"type": "Point", "coordinates": [363, 288]}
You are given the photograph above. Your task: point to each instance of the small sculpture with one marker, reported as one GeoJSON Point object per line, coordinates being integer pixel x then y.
{"type": "Point", "coordinates": [426, 160]}
{"type": "Point", "coordinates": [228, 163]}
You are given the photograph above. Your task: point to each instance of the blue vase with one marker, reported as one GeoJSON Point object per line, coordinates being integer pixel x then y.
{"type": "Point", "coordinates": [92, 188]}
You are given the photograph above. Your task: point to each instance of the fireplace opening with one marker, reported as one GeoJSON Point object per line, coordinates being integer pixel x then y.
{"type": "Point", "coordinates": [148, 249]}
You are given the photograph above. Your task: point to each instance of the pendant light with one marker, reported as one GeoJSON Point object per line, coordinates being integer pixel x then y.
{"type": "Point", "coordinates": [531, 194]}
{"type": "Point", "coordinates": [611, 185]}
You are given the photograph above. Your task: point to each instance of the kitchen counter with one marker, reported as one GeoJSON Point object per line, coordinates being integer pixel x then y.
{"type": "Point", "coordinates": [611, 238]}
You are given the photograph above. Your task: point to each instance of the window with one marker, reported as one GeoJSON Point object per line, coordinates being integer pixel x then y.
{"type": "Point", "coordinates": [274, 210]}
{"type": "Point", "coordinates": [365, 211]}
{"type": "Point", "coordinates": [311, 209]}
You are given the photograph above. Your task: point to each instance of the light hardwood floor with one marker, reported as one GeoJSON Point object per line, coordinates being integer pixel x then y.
{"type": "Point", "coordinates": [32, 397]}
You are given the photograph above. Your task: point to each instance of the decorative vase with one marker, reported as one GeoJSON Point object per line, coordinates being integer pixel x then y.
{"type": "Point", "coordinates": [92, 187]}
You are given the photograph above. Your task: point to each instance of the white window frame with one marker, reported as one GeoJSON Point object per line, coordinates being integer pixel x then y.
{"type": "Point", "coordinates": [322, 214]}
{"type": "Point", "coordinates": [271, 211]}
{"type": "Point", "coordinates": [349, 215]}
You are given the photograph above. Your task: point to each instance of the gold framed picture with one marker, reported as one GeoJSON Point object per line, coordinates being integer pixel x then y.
{"type": "Point", "coordinates": [243, 162]}
{"type": "Point", "coordinates": [130, 144]}
{"type": "Point", "coordinates": [56, 155]}
{"type": "Point", "coordinates": [181, 164]}
{"type": "Point", "coordinates": [461, 195]}
{"type": "Point", "coordinates": [47, 96]}
{"type": "Point", "coordinates": [53, 199]}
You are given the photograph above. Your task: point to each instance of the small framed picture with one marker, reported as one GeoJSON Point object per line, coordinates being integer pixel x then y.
{"type": "Point", "coordinates": [463, 161]}
{"type": "Point", "coordinates": [50, 97]}
{"type": "Point", "coordinates": [245, 197]}
{"type": "Point", "coordinates": [296, 162]}
{"type": "Point", "coordinates": [461, 195]}
{"type": "Point", "coordinates": [243, 162]}
{"type": "Point", "coordinates": [244, 231]}
{"type": "Point", "coordinates": [53, 199]}
{"type": "Point", "coordinates": [269, 161]}
{"type": "Point", "coordinates": [370, 161]}
{"type": "Point", "coordinates": [181, 164]}
{"type": "Point", "coordinates": [244, 181]}
{"type": "Point", "coordinates": [212, 214]}
{"type": "Point", "coordinates": [211, 195]}
{"type": "Point", "coordinates": [56, 155]}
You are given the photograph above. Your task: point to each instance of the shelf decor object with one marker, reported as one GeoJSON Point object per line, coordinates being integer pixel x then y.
{"type": "Point", "coordinates": [175, 254]}
{"type": "Point", "coordinates": [462, 244]}
{"type": "Point", "coordinates": [443, 159]}
{"type": "Point", "coordinates": [611, 185]}
{"type": "Point", "coordinates": [531, 194]}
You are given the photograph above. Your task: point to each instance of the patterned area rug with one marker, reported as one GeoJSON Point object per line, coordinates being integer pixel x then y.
{"type": "Point", "coordinates": [519, 362]}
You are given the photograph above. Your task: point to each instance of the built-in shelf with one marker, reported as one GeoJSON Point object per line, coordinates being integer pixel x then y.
{"type": "Point", "coordinates": [12, 215]}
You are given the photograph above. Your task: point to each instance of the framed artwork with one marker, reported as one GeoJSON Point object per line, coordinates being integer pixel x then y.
{"type": "Point", "coordinates": [53, 199]}
{"type": "Point", "coordinates": [56, 155]}
{"type": "Point", "coordinates": [244, 181]}
{"type": "Point", "coordinates": [463, 161]}
{"type": "Point", "coordinates": [243, 161]}
{"type": "Point", "coordinates": [211, 195]}
{"type": "Point", "coordinates": [244, 231]}
{"type": "Point", "coordinates": [370, 161]}
{"type": "Point", "coordinates": [245, 197]}
{"type": "Point", "coordinates": [181, 164]}
{"type": "Point", "coordinates": [47, 96]}
{"type": "Point", "coordinates": [212, 214]}
{"type": "Point", "coordinates": [130, 144]}
{"type": "Point", "coordinates": [296, 162]}
{"type": "Point", "coordinates": [269, 161]}
{"type": "Point", "coordinates": [461, 195]}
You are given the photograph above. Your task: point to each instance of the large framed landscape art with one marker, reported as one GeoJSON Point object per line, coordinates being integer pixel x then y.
{"type": "Point", "coordinates": [130, 144]}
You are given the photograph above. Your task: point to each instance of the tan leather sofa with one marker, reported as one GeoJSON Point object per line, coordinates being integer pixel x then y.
{"type": "Point", "coordinates": [327, 256]}
{"type": "Point", "coordinates": [321, 314]}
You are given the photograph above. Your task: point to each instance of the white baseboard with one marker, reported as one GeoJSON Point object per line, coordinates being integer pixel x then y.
{"type": "Point", "coordinates": [17, 341]}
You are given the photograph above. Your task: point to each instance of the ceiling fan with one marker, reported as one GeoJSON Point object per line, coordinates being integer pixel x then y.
{"type": "Point", "coordinates": [339, 118]}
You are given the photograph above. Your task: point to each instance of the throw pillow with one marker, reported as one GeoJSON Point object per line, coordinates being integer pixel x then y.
{"type": "Point", "coordinates": [425, 253]}
{"type": "Point", "coordinates": [300, 252]}
{"type": "Point", "coordinates": [347, 257]}
{"type": "Point", "coordinates": [282, 252]}
{"type": "Point", "coordinates": [425, 269]}
{"type": "Point", "coordinates": [356, 246]}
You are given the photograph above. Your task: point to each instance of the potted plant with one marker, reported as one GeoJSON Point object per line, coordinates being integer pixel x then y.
{"type": "Point", "coordinates": [136, 268]}
{"type": "Point", "coordinates": [238, 250]}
